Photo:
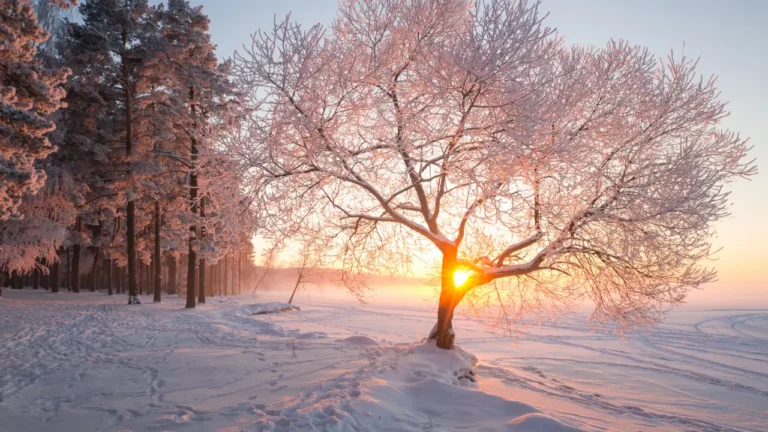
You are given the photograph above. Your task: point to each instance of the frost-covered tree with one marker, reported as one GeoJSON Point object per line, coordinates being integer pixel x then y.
{"type": "Point", "coordinates": [29, 92]}
{"type": "Point", "coordinates": [51, 16]}
{"type": "Point", "coordinates": [32, 243]}
{"type": "Point", "coordinates": [109, 47]}
{"type": "Point", "coordinates": [195, 87]}
{"type": "Point", "coordinates": [541, 174]}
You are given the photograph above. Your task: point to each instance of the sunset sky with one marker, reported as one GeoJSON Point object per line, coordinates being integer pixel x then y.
{"type": "Point", "coordinates": [728, 36]}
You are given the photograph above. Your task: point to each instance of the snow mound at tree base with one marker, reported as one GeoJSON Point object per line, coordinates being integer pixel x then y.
{"type": "Point", "coordinates": [409, 388]}
{"type": "Point", "coordinates": [273, 307]}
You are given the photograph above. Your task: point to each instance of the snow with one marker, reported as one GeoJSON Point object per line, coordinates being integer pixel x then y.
{"type": "Point", "coordinates": [359, 340]}
{"type": "Point", "coordinates": [272, 307]}
{"type": "Point", "coordinates": [74, 362]}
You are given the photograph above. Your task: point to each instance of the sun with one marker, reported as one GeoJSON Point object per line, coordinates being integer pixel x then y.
{"type": "Point", "coordinates": [460, 277]}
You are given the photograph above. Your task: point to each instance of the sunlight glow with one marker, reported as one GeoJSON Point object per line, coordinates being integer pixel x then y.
{"type": "Point", "coordinates": [460, 277]}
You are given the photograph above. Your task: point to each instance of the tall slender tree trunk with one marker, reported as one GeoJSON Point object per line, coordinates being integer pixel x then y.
{"type": "Point", "coordinates": [46, 275]}
{"type": "Point", "coordinates": [240, 272]}
{"type": "Point", "coordinates": [171, 274]}
{"type": "Point", "coordinates": [156, 259]}
{"type": "Point", "coordinates": [68, 268]}
{"type": "Point", "coordinates": [214, 279]}
{"type": "Point", "coordinates": [191, 272]}
{"type": "Point", "coordinates": [110, 274]}
{"type": "Point", "coordinates": [201, 288]}
{"type": "Point", "coordinates": [75, 277]}
{"type": "Point", "coordinates": [92, 281]}
{"type": "Point", "coordinates": [226, 274]}
{"type": "Point", "coordinates": [121, 280]}
{"type": "Point", "coordinates": [141, 277]}
{"type": "Point", "coordinates": [96, 253]}
{"type": "Point", "coordinates": [192, 258]}
{"type": "Point", "coordinates": [222, 277]}
{"type": "Point", "coordinates": [133, 287]}
{"type": "Point", "coordinates": [210, 282]}
{"type": "Point", "coordinates": [36, 278]}
{"type": "Point", "coordinates": [295, 288]}
{"type": "Point", "coordinates": [55, 276]}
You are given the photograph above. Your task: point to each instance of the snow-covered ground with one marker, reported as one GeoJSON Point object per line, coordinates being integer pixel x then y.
{"type": "Point", "coordinates": [88, 362]}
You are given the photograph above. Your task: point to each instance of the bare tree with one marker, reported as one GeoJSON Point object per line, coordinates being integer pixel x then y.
{"type": "Point", "coordinates": [267, 268]}
{"type": "Point", "coordinates": [305, 269]}
{"type": "Point", "coordinates": [542, 174]}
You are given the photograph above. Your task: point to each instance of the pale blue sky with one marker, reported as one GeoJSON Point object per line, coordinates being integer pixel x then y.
{"type": "Point", "coordinates": [729, 36]}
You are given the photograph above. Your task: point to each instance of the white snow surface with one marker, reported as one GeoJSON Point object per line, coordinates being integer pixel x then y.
{"type": "Point", "coordinates": [90, 362]}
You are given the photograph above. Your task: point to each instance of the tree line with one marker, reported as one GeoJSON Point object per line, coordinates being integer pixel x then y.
{"type": "Point", "coordinates": [112, 172]}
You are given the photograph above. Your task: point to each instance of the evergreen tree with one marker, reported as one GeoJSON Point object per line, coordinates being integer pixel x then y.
{"type": "Point", "coordinates": [108, 49]}
{"type": "Point", "coordinates": [194, 87]}
{"type": "Point", "coordinates": [28, 93]}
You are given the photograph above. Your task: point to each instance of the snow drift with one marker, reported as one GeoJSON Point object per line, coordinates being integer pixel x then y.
{"type": "Point", "coordinates": [410, 388]}
{"type": "Point", "coordinates": [272, 307]}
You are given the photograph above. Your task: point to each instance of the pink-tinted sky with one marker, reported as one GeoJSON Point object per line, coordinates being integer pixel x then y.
{"type": "Point", "coordinates": [729, 36]}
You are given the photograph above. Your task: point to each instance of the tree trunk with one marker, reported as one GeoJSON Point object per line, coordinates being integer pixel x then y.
{"type": "Point", "coordinates": [156, 259]}
{"type": "Point", "coordinates": [226, 274]}
{"type": "Point", "coordinates": [295, 287]}
{"type": "Point", "coordinates": [214, 277]}
{"type": "Point", "coordinates": [133, 288]}
{"type": "Point", "coordinates": [133, 284]}
{"type": "Point", "coordinates": [110, 272]}
{"type": "Point", "coordinates": [201, 287]}
{"type": "Point", "coordinates": [123, 279]}
{"type": "Point", "coordinates": [239, 272]}
{"type": "Point", "coordinates": [14, 279]}
{"type": "Point", "coordinates": [191, 273]}
{"type": "Point", "coordinates": [96, 253]}
{"type": "Point", "coordinates": [171, 274]}
{"type": "Point", "coordinates": [141, 276]}
{"type": "Point", "coordinates": [75, 276]}
{"type": "Point", "coordinates": [219, 283]}
{"type": "Point", "coordinates": [92, 281]}
{"type": "Point", "coordinates": [46, 276]}
{"type": "Point", "coordinates": [36, 278]}
{"type": "Point", "coordinates": [192, 258]}
{"type": "Point", "coordinates": [449, 298]}
{"type": "Point", "coordinates": [211, 281]}
{"type": "Point", "coordinates": [55, 277]}
{"type": "Point", "coordinates": [68, 278]}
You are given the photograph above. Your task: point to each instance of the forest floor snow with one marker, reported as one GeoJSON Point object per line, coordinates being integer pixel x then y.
{"type": "Point", "coordinates": [90, 362]}
{"type": "Point", "coordinates": [271, 307]}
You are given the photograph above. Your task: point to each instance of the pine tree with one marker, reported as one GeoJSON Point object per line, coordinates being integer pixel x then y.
{"type": "Point", "coordinates": [186, 67]}
{"type": "Point", "coordinates": [110, 46]}
{"type": "Point", "coordinates": [28, 93]}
